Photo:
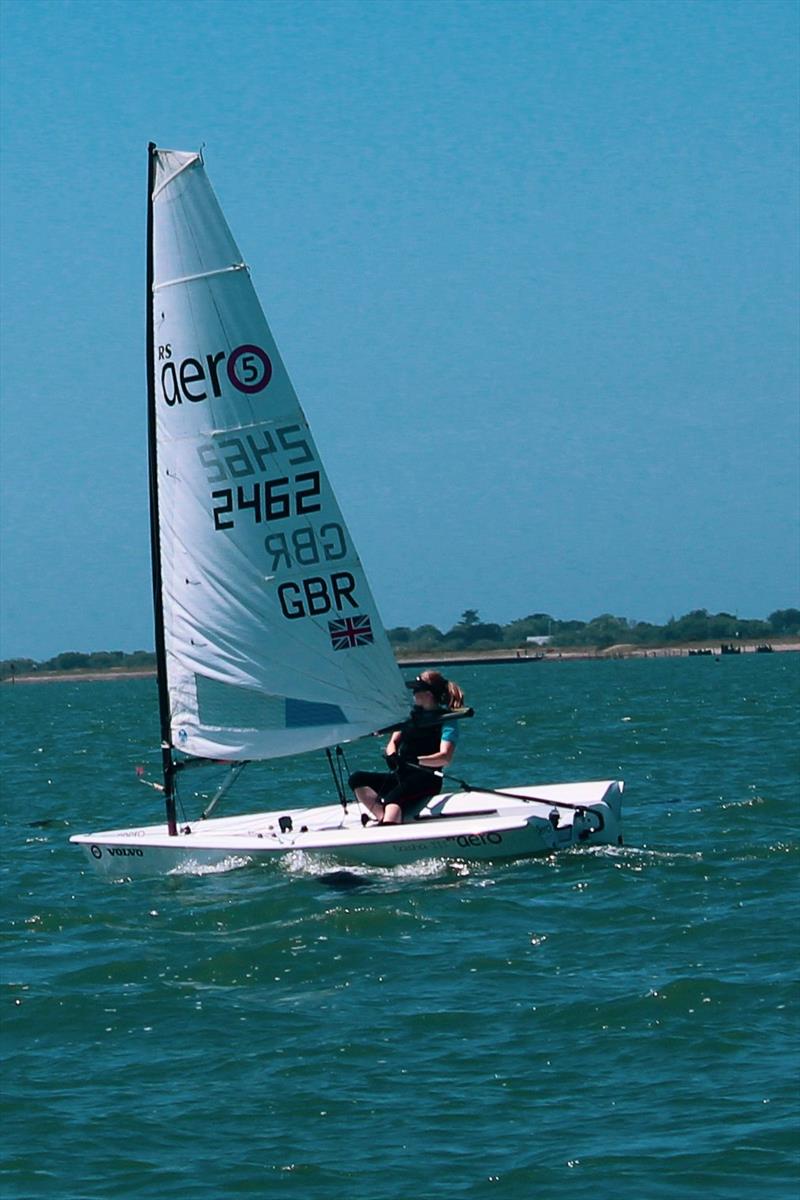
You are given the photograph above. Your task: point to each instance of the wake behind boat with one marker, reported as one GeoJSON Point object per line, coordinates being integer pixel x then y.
{"type": "Point", "coordinates": [268, 639]}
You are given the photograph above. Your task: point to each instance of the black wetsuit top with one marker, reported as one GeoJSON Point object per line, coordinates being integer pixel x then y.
{"type": "Point", "coordinates": [421, 734]}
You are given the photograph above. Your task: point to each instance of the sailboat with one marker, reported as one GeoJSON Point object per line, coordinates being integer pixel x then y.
{"type": "Point", "coordinates": [268, 639]}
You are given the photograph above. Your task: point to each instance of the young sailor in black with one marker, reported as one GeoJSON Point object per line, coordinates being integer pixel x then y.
{"type": "Point", "coordinates": [415, 753]}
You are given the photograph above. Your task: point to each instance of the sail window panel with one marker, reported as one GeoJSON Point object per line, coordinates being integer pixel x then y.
{"type": "Point", "coordinates": [302, 714]}
{"type": "Point", "coordinates": [230, 706]}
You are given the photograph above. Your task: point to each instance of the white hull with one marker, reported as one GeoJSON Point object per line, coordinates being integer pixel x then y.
{"type": "Point", "coordinates": [454, 827]}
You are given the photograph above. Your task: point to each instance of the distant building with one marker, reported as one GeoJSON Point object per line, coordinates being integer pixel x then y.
{"type": "Point", "coordinates": [540, 640]}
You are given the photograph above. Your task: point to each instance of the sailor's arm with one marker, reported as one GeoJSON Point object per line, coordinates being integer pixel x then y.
{"type": "Point", "coordinates": [442, 757]}
{"type": "Point", "coordinates": [393, 743]}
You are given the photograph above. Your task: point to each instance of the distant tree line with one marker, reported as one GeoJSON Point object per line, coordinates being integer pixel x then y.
{"type": "Point", "coordinates": [74, 660]}
{"type": "Point", "coordinates": [471, 633]}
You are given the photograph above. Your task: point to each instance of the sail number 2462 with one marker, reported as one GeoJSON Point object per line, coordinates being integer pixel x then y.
{"type": "Point", "coordinates": [231, 459]}
{"type": "Point", "coordinates": [268, 499]}
{"type": "Point", "coordinates": [248, 465]}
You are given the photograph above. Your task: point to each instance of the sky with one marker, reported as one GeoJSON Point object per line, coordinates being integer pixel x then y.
{"type": "Point", "coordinates": [532, 267]}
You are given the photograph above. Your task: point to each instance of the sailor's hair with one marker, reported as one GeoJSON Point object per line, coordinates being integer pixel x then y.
{"type": "Point", "coordinates": [445, 691]}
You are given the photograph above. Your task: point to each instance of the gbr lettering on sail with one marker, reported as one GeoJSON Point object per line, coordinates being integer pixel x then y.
{"type": "Point", "coordinates": [269, 476]}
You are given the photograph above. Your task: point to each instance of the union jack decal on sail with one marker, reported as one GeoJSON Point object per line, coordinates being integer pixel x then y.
{"type": "Point", "coordinates": [350, 631]}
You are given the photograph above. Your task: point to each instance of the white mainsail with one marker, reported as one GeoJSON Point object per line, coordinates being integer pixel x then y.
{"type": "Point", "coordinates": [273, 643]}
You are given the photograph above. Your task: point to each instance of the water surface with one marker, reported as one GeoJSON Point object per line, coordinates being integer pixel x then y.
{"type": "Point", "coordinates": [612, 1023]}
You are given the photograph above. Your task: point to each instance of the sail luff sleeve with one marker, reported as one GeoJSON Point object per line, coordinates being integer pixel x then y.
{"type": "Point", "coordinates": [155, 540]}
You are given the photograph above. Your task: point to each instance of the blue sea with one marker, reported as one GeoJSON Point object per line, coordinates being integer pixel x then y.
{"type": "Point", "coordinates": [609, 1023]}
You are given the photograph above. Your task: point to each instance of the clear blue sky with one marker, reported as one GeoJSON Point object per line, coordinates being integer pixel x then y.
{"type": "Point", "coordinates": [533, 268]}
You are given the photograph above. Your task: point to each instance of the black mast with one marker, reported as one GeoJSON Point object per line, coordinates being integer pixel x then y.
{"type": "Point", "coordinates": [167, 762]}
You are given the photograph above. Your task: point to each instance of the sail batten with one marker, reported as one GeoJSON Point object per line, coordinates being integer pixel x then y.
{"type": "Point", "coordinates": [272, 640]}
{"type": "Point", "coordinates": [201, 275]}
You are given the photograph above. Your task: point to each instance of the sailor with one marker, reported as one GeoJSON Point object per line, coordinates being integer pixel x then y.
{"type": "Point", "coordinates": [415, 754]}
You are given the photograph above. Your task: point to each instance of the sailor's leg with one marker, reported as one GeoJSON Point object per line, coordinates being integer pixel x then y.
{"type": "Point", "coordinates": [409, 796]}
{"type": "Point", "coordinates": [368, 788]}
{"type": "Point", "coordinates": [371, 801]}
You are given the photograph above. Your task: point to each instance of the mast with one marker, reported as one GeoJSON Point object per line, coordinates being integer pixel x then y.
{"type": "Point", "coordinates": [167, 762]}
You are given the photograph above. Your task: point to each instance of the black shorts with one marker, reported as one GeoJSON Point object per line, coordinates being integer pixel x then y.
{"type": "Point", "coordinates": [408, 791]}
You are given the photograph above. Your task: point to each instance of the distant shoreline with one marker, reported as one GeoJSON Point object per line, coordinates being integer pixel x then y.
{"type": "Point", "coordinates": [586, 653]}
{"type": "Point", "coordinates": [460, 658]}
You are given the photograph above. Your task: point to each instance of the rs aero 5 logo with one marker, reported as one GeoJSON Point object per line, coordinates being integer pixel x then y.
{"type": "Point", "coordinates": [247, 367]}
